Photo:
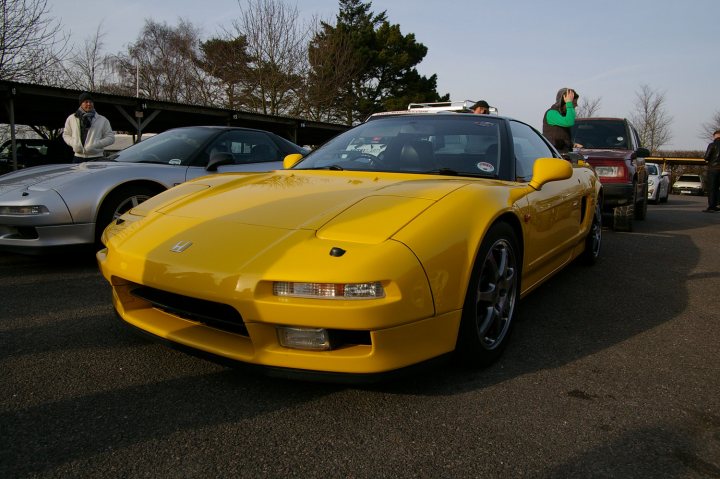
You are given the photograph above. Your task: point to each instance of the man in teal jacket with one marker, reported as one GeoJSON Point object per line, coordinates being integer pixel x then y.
{"type": "Point", "coordinates": [559, 119]}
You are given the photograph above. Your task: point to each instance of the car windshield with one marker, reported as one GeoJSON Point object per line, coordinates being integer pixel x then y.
{"type": "Point", "coordinates": [610, 134]}
{"type": "Point", "coordinates": [172, 147]}
{"type": "Point", "coordinates": [453, 144]}
{"type": "Point", "coordinates": [652, 169]}
{"type": "Point", "coordinates": [690, 178]}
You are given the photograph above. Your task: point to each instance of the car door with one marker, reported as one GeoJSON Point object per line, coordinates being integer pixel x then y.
{"type": "Point", "coordinates": [552, 214]}
{"type": "Point", "coordinates": [251, 151]}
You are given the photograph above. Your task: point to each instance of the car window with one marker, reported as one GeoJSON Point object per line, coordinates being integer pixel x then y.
{"type": "Point", "coordinates": [652, 169]}
{"type": "Point", "coordinates": [446, 144]}
{"type": "Point", "coordinates": [528, 147]}
{"type": "Point", "coordinates": [172, 147]}
{"type": "Point", "coordinates": [601, 134]}
{"type": "Point", "coordinates": [245, 147]}
{"type": "Point", "coordinates": [691, 178]}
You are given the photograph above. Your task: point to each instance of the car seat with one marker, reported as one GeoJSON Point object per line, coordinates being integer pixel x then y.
{"type": "Point", "coordinates": [409, 154]}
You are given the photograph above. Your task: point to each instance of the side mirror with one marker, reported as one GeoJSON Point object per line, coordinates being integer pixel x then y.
{"type": "Point", "coordinates": [665, 173]}
{"type": "Point", "coordinates": [291, 160]}
{"type": "Point", "coordinates": [642, 152]}
{"type": "Point", "coordinates": [573, 157]}
{"type": "Point", "coordinates": [219, 159]}
{"type": "Point", "coordinates": [546, 170]}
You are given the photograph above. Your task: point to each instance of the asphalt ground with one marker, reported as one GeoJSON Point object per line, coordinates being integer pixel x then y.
{"type": "Point", "coordinates": [612, 371]}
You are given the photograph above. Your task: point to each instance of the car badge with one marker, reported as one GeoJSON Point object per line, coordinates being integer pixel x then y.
{"type": "Point", "coordinates": [181, 246]}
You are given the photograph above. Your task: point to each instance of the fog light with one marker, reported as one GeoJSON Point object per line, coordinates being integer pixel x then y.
{"type": "Point", "coordinates": [315, 339]}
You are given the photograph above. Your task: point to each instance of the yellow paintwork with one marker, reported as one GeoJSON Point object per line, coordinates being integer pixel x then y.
{"type": "Point", "coordinates": [416, 234]}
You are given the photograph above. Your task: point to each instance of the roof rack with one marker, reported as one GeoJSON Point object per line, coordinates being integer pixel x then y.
{"type": "Point", "coordinates": [461, 106]}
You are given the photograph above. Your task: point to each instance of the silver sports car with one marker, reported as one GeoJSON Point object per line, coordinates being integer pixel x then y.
{"type": "Point", "coordinates": [63, 205]}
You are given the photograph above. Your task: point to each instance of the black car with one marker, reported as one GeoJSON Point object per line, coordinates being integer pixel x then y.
{"type": "Point", "coordinates": [34, 152]}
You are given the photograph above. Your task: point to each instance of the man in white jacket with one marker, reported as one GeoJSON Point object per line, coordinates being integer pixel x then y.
{"type": "Point", "coordinates": [87, 132]}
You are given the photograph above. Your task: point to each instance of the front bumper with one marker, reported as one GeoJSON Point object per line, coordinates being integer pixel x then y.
{"type": "Point", "coordinates": [30, 239]}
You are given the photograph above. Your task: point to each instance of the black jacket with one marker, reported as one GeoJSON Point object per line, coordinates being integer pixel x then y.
{"type": "Point", "coordinates": [712, 154]}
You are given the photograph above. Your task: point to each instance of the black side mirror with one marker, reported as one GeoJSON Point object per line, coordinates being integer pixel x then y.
{"type": "Point", "coordinates": [572, 156]}
{"type": "Point", "coordinates": [219, 159]}
{"type": "Point", "coordinates": [642, 153]}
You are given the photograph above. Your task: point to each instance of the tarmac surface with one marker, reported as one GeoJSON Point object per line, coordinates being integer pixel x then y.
{"type": "Point", "coordinates": [612, 371]}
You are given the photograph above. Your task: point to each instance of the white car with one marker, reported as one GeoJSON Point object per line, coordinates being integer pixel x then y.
{"type": "Point", "coordinates": [71, 204]}
{"type": "Point", "coordinates": [689, 184]}
{"type": "Point", "coordinates": [658, 183]}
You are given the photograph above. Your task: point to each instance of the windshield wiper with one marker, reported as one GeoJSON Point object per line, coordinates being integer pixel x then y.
{"type": "Point", "coordinates": [443, 171]}
{"type": "Point", "coordinates": [329, 167]}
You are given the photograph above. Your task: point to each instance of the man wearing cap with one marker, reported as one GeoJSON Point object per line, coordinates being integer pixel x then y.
{"type": "Point", "coordinates": [481, 108]}
{"type": "Point", "coordinates": [87, 132]}
{"type": "Point", "coordinates": [559, 119]}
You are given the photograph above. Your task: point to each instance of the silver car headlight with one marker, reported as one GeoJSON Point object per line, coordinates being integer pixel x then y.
{"type": "Point", "coordinates": [651, 182]}
{"type": "Point", "coordinates": [31, 210]}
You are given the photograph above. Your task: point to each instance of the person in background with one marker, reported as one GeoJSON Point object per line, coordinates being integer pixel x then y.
{"type": "Point", "coordinates": [480, 108]}
{"type": "Point", "coordinates": [712, 173]}
{"type": "Point", "coordinates": [87, 132]}
{"type": "Point", "coordinates": [559, 119]}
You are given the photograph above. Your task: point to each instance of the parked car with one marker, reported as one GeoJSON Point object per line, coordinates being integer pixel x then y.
{"type": "Point", "coordinates": [658, 183]}
{"type": "Point", "coordinates": [34, 152]}
{"type": "Point", "coordinates": [689, 184]}
{"type": "Point", "coordinates": [61, 205]}
{"type": "Point", "coordinates": [404, 239]}
{"type": "Point", "coordinates": [612, 146]}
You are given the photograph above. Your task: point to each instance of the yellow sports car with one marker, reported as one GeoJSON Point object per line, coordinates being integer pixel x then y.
{"type": "Point", "coordinates": [406, 238]}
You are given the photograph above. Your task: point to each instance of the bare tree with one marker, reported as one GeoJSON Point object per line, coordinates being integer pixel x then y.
{"type": "Point", "coordinates": [32, 45]}
{"type": "Point", "coordinates": [651, 119]}
{"type": "Point", "coordinates": [276, 45]}
{"type": "Point", "coordinates": [90, 69]}
{"type": "Point", "coordinates": [588, 107]}
{"type": "Point", "coordinates": [163, 65]}
{"type": "Point", "coordinates": [706, 133]}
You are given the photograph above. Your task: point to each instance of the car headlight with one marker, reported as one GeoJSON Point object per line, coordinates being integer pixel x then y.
{"type": "Point", "coordinates": [371, 290]}
{"type": "Point", "coordinates": [651, 182]}
{"type": "Point", "coordinates": [32, 210]}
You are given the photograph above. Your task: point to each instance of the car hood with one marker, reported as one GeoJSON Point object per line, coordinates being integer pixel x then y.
{"type": "Point", "coordinates": [365, 203]}
{"type": "Point", "coordinates": [262, 209]}
{"type": "Point", "coordinates": [52, 177]}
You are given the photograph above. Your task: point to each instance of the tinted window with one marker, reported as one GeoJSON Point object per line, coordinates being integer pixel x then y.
{"type": "Point", "coordinates": [652, 169]}
{"type": "Point", "coordinates": [174, 147]}
{"type": "Point", "coordinates": [447, 144]}
{"type": "Point", "coordinates": [528, 147]}
{"type": "Point", "coordinates": [245, 146]}
{"type": "Point", "coordinates": [601, 134]}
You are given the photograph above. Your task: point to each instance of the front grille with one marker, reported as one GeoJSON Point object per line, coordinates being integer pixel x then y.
{"type": "Point", "coordinates": [215, 315]}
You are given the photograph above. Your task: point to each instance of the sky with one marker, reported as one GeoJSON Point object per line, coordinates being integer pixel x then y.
{"type": "Point", "coordinates": [515, 54]}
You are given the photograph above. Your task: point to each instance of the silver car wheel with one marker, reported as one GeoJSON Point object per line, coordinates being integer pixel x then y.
{"type": "Point", "coordinates": [495, 295]}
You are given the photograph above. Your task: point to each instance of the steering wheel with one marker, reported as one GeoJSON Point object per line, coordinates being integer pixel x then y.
{"type": "Point", "coordinates": [372, 160]}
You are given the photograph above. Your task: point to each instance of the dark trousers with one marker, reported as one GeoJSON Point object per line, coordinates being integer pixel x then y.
{"type": "Point", "coordinates": [712, 180]}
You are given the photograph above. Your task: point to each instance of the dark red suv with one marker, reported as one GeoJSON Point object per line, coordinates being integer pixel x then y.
{"type": "Point", "coordinates": [612, 147]}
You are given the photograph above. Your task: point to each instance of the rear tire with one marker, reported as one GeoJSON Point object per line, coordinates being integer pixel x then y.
{"type": "Point", "coordinates": [641, 206]}
{"type": "Point", "coordinates": [593, 240]}
{"type": "Point", "coordinates": [491, 298]}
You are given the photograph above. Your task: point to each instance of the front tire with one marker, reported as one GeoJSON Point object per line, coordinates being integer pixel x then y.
{"type": "Point", "coordinates": [491, 298]}
{"type": "Point", "coordinates": [118, 202]}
